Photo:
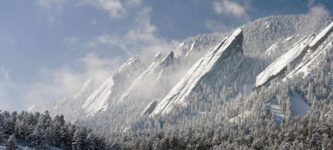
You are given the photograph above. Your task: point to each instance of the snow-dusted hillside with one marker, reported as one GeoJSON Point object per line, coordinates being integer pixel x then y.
{"type": "Point", "coordinates": [65, 106]}
{"type": "Point", "coordinates": [134, 81]}
{"type": "Point", "coordinates": [283, 61]}
{"type": "Point", "coordinates": [208, 74]}
{"type": "Point", "coordinates": [310, 45]}
{"type": "Point", "coordinates": [230, 47]}
{"type": "Point", "coordinates": [94, 97]}
{"type": "Point", "coordinates": [111, 89]}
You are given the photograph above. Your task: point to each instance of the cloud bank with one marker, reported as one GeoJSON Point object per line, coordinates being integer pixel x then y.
{"type": "Point", "coordinates": [66, 81]}
{"type": "Point", "coordinates": [317, 9]}
{"type": "Point", "coordinates": [142, 39]}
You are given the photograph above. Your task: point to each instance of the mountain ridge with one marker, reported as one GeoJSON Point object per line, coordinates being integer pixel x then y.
{"type": "Point", "coordinates": [263, 42]}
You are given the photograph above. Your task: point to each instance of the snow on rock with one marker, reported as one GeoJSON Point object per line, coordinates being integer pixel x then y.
{"type": "Point", "coordinates": [321, 36]}
{"type": "Point", "coordinates": [309, 62]}
{"type": "Point", "coordinates": [98, 100]}
{"type": "Point", "coordinates": [311, 58]}
{"type": "Point", "coordinates": [271, 49]}
{"type": "Point", "coordinates": [277, 113]}
{"type": "Point", "coordinates": [195, 44]}
{"type": "Point", "coordinates": [65, 106]}
{"type": "Point", "coordinates": [112, 87]}
{"type": "Point", "coordinates": [277, 48]}
{"type": "Point", "coordinates": [267, 25]}
{"type": "Point", "coordinates": [283, 61]}
{"type": "Point", "coordinates": [203, 67]}
{"type": "Point", "coordinates": [239, 118]}
{"type": "Point", "coordinates": [142, 84]}
{"type": "Point", "coordinates": [299, 107]}
{"type": "Point", "coordinates": [84, 88]}
{"type": "Point", "coordinates": [288, 38]}
{"type": "Point", "coordinates": [157, 56]}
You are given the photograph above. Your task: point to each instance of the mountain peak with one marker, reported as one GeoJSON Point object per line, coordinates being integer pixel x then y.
{"type": "Point", "coordinates": [209, 64]}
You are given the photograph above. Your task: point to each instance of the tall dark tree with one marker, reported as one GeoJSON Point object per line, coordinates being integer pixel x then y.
{"type": "Point", "coordinates": [11, 143]}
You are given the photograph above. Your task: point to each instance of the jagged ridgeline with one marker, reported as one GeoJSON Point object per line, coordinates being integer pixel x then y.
{"type": "Point", "coordinates": [269, 73]}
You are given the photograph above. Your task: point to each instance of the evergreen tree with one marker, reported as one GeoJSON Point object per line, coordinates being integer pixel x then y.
{"type": "Point", "coordinates": [2, 133]}
{"type": "Point", "coordinates": [11, 143]}
{"type": "Point", "coordinates": [78, 141]}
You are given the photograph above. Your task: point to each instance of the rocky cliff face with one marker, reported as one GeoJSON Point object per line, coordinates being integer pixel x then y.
{"type": "Point", "coordinates": [298, 58]}
{"type": "Point", "coordinates": [204, 71]}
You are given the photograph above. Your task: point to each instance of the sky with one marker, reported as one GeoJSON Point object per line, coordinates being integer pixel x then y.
{"type": "Point", "coordinates": [49, 48]}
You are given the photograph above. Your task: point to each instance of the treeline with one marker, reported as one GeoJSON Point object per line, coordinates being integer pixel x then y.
{"type": "Point", "coordinates": [311, 132]}
{"type": "Point", "coordinates": [40, 131]}
{"type": "Point", "coordinates": [247, 121]}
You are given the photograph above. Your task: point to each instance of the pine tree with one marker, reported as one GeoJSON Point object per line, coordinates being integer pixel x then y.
{"type": "Point", "coordinates": [2, 133]}
{"type": "Point", "coordinates": [78, 139]}
{"type": "Point", "coordinates": [39, 140]}
{"type": "Point", "coordinates": [90, 141]}
{"type": "Point", "coordinates": [11, 143]}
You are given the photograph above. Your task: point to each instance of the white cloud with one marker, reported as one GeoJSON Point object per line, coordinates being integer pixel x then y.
{"type": "Point", "coordinates": [318, 10]}
{"type": "Point", "coordinates": [311, 3]}
{"type": "Point", "coordinates": [230, 7]}
{"type": "Point", "coordinates": [116, 8]}
{"type": "Point", "coordinates": [71, 40]}
{"type": "Point", "coordinates": [66, 81]}
{"type": "Point", "coordinates": [52, 8]}
{"type": "Point", "coordinates": [142, 39]}
{"type": "Point", "coordinates": [215, 26]}
{"type": "Point", "coordinates": [9, 92]}
{"type": "Point", "coordinates": [50, 3]}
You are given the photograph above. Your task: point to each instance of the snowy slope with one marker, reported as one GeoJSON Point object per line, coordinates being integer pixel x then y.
{"type": "Point", "coordinates": [142, 86]}
{"type": "Point", "coordinates": [281, 45]}
{"type": "Point", "coordinates": [177, 96]}
{"type": "Point", "coordinates": [197, 75]}
{"type": "Point", "coordinates": [120, 80]}
{"type": "Point", "coordinates": [95, 96]}
{"type": "Point", "coordinates": [283, 61]}
{"type": "Point", "coordinates": [297, 52]}
{"type": "Point", "coordinates": [98, 100]}
{"type": "Point", "coordinates": [192, 47]}
{"type": "Point", "coordinates": [164, 73]}
{"type": "Point", "coordinates": [321, 37]}
{"type": "Point", "coordinates": [65, 106]}
{"type": "Point", "coordinates": [319, 46]}
{"type": "Point", "coordinates": [258, 38]}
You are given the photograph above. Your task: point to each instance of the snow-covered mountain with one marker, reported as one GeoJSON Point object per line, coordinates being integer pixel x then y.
{"type": "Point", "coordinates": [65, 106]}
{"type": "Point", "coordinates": [302, 54]}
{"type": "Point", "coordinates": [94, 97]}
{"type": "Point", "coordinates": [234, 74]}
{"type": "Point", "coordinates": [207, 69]}
{"type": "Point", "coordinates": [112, 88]}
